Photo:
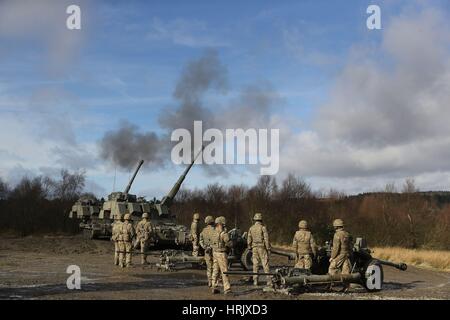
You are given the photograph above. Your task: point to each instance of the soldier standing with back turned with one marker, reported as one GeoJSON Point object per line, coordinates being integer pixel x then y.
{"type": "Point", "coordinates": [126, 244]}
{"type": "Point", "coordinates": [258, 242]}
{"type": "Point", "coordinates": [304, 246]}
{"type": "Point", "coordinates": [116, 237]}
{"type": "Point", "coordinates": [195, 233]}
{"type": "Point", "coordinates": [219, 244]}
{"type": "Point", "coordinates": [341, 251]}
{"type": "Point", "coordinates": [205, 242]}
{"type": "Point", "coordinates": [144, 230]}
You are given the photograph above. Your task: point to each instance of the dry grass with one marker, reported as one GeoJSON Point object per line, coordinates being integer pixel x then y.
{"type": "Point", "coordinates": [436, 259]}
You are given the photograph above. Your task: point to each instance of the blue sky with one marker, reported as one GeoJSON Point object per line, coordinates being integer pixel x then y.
{"type": "Point", "coordinates": [61, 90]}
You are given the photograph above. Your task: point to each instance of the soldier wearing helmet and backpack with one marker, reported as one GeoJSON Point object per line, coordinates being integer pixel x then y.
{"type": "Point", "coordinates": [341, 251]}
{"type": "Point", "coordinates": [220, 243]}
{"type": "Point", "coordinates": [115, 236]}
{"type": "Point", "coordinates": [304, 246]}
{"type": "Point", "coordinates": [144, 230]}
{"type": "Point", "coordinates": [206, 237]}
{"type": "Point", "coordinates": [258, 242]}
{"type": "Point", "coordinates": [126, 243]}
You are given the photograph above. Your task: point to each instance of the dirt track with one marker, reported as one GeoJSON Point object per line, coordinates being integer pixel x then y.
{"type": "Point", "coordinates": [35, 268]}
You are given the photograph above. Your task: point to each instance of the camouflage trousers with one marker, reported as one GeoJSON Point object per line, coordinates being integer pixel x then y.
{"type": "Point", "coordinates": [195, 247]}
{"type": "Point", "coordinates": [340, 264]}
{"type": "Point", "coordinates": [209, 260]}
{"type": "Point", "coordinates": [142, 244]}
{"type": "Point", "coordinates": [304, 261]}
{"type": "Point", "coordinates": [220, 264]}
{"type": "Point", "coordinates": [126, 248]}
{"type": "Point", "coordinates": [116, 252]}
{"type": "Point", "coordinates": [260, 257]}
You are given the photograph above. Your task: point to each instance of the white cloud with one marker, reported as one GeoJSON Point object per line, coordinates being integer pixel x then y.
{"type": "Point", "coordinates": [190, 33]}
{"type": "Point", "coordinates": [384, 120]}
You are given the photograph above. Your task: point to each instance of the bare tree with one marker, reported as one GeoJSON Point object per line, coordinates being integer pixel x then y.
{"type": "Point", "coordinates": [4, 190]}
{"type": "Point", "coordinates": [409, 186]}
{"type": "Point", "coordinates": [266, 187]}
{"type": "Point", "coordinates": [68, 187]}
{"type": "Point", "coordinates": [294, 188]}
{"type": "Point", "coordinates": [390, 187]}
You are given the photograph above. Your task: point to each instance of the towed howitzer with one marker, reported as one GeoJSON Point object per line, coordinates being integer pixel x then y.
{"type": "Point", "coordinates": [366, 270]}
{"type": "Point", "coordinates": [238, 253]}
{"type": "Point", "coordinates": [287, 279]}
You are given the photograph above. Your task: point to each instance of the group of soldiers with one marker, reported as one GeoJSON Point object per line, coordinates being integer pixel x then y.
{"type": "Point", "coordinates": [214, 240]}
{"type": "Point", "coordinates": [126, 237]}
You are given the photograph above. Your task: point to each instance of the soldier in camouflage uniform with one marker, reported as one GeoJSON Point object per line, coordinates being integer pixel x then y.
{"type": "Point", "coordinates": [341, 251]}
{"type": "Point", "coordinates": [258, 242]}
{"type": "Point", "coordinates": [126, 243]}
{"type": "Point", "coordinates": [195, 233]}
{"type": "Point", "coordinates": [219, 245]}
{"type": "Point", "coordinates": [144, 230]}
{"type": "Point", "coordinates": [116, 226]}
{"type": "Point", "coordinates": [304, 246]}
{"type": "Point", "coordinates": [205, 242]}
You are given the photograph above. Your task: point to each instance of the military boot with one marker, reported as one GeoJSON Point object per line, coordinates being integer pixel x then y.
{"type": "Point", "coordinates": [215, 291]}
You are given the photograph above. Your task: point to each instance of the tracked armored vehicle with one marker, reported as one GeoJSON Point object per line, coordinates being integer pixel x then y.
{"type": "Point", "coordinates": [167, 233]}
{"type": "Point", "coordinates": [96, 220]}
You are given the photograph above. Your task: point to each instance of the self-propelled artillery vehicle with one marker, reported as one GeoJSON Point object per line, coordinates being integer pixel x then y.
{"type": "Point", "coordinates": [96, 220]}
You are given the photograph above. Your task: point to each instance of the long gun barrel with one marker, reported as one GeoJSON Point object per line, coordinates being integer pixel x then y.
{"type": "Point", "coordinates": [399, 266]}
{"type": "Point", "coordinates": [289, 255]}
{"type": "Point", "coordinates": [167, 200]}
{"type": "Point", "coordinates": [127, 189]}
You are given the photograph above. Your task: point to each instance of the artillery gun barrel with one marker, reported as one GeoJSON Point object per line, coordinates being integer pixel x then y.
{"type": "Point", "coordinates": [250, 273]}
{"type": "Point", "coordinates": [185, 258]}
{"type": "Point", "coordinates": [173, 192]}
{"type": "Point", "coordinates": [290, 255]}
{"type": "Point", "coordinates": [127, 189]}
{"type": "Point", "coordinates": [399, 266]}
{"type": "Point", "coordinates": [326, 278]}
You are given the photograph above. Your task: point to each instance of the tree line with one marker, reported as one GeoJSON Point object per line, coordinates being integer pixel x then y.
{"type": "Point", "coordinates": [407, 217]}
{"type": "Point", "coordinates": [391, 217]}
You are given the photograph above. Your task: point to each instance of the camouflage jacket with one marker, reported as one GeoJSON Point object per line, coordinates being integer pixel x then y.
{"type": "Point", "coordinates": [206, 237]}
{"type": "Point", "coordinates": [116, 227]}
{"type": "Point", "coordinates": [342, 244]}
{"type": "Point", "coordinates": [258, 236]}
{"type": "Point", "coordinates": [143, 230]}
{"type": "Point", "coordinates": [127, 232]}
{"type": "Point", "coordinates": [195, 230]}
{"type": "Point", "coordinates": [219, 241]}
{"type": "Point", "coordinates": [304, 243]}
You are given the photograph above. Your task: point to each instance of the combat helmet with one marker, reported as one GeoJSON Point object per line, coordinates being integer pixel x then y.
{"type": "Point", "coordinates": [338, 223]}
{"type": "Point", "coordinates": [257, 217]}
{"type": "Point", "coordinates": [127, 217]}
{"type": "Point", "coordinates": [145, 215]}
{"type": "Point", "coordinates": [209, 220]}
{"type": "Point", "coordinates": [303, 224]}
{"type": "Point", "coordinates": [220, 220]}
{"type": "Point", "coordinates": [118, 216]}
{"type": "Point", "coordinates": [196, 216]}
